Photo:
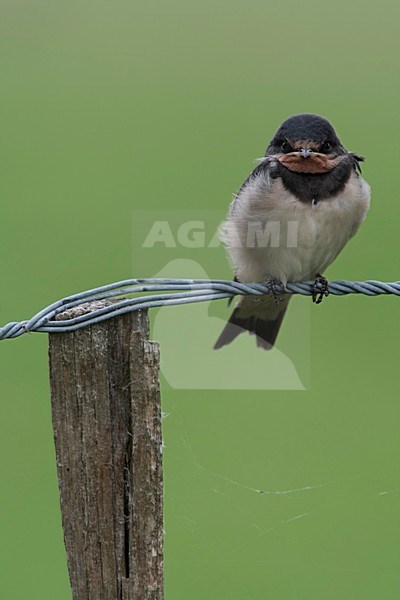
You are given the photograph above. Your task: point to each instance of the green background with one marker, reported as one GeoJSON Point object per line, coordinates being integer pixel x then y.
{"type": "Point", "coordinates": [117, 106]}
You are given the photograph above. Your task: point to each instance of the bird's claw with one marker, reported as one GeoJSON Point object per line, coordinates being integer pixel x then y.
{"type": "Point", "coordinates": [320, 289]}
{"type": "Point", "coordinates": [272, 291]}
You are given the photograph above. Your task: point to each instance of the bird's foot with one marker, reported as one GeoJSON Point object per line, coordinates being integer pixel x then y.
{"type": "Point", "coordinates": [272, 291]}
{"type": "Point", "coordinates": [320, 289]}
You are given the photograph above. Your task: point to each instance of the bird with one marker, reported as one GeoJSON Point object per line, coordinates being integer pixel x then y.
{"type": "Point", "coordinates": [289, 220]}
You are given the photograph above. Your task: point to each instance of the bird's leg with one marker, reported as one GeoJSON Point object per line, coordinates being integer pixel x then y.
{"type": "Point", "coordinates": [236, 280]}
{"type": "Point", "coordinates": [320, 289]}
{"type": "Point", "coordinates": [271, 284]}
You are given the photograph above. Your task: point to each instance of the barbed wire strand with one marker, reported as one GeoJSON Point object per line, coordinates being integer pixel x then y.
{"type": "Point", "coordinates": [176, 291]}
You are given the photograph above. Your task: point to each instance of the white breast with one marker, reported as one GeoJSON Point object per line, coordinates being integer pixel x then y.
{"type": "Point", "coordinates": [290, 240]}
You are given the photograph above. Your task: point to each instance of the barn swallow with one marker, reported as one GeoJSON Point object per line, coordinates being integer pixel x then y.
{"type": "Point", "coordinates": [289, 221]}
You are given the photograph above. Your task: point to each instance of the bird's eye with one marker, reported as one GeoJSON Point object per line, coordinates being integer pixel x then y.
{"type": "Point", "coordinates": [326, 147]}
{"type": "Point", "coordinates": [285, 146]}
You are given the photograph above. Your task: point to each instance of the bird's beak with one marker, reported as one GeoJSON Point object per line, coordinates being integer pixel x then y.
{"type": "Point", "coordinates": [305, 152]}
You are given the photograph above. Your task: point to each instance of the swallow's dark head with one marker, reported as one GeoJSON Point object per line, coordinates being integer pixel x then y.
{"type": "Point", "coordinates": [311, 158]}
{"type": "Point", "coordinates": [306, 144]}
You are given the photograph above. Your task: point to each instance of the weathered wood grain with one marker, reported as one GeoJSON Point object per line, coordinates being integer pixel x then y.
{"type": "Point", "coordinates": [106, 414]}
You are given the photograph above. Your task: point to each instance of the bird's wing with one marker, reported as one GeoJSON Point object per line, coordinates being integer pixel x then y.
{"type": "Point", "coordinates": [266, 167]}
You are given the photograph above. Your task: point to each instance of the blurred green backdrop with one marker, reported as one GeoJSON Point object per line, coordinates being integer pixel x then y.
{"type": "Point", "coordinates": [111, 107]}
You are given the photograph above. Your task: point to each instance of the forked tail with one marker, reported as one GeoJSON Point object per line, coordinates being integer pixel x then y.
{"type": "Point", "coordinates": [265, 330]}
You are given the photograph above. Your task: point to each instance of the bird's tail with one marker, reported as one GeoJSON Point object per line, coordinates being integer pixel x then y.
{"type": "Point", "coordinates": [265, 330]}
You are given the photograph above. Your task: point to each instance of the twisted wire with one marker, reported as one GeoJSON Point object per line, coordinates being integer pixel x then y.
{"type": "Point", "coordinates": [175, 291]}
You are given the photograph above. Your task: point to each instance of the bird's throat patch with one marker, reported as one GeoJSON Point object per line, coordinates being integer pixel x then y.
{"type": "Point", "coordinates": [316, 163]}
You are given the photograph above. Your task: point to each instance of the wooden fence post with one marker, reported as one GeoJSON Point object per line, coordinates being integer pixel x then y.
{"type": "Point", "coordinates": [106, 414]}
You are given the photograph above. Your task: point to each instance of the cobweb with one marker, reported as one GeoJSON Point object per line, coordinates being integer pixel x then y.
{"type": "Point", "coordinates": [256, 509]}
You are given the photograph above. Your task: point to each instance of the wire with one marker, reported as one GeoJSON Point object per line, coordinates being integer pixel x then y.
{"type": "Point", "coordinates": [175, 291]}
